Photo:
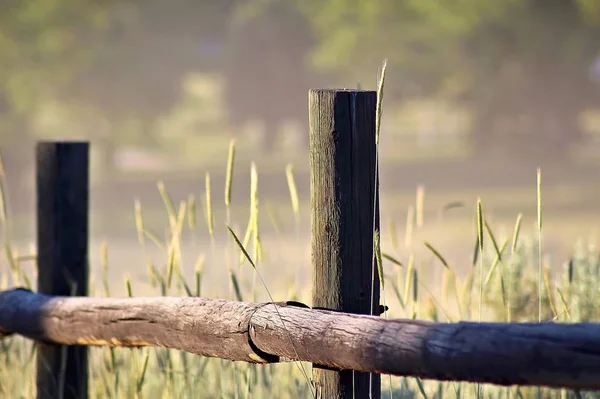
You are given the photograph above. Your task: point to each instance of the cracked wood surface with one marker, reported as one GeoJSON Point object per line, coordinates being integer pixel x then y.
{"type": "Point", "coordinates": [208, 327]}
{"type": "Point", "coordinates": [548, 354]}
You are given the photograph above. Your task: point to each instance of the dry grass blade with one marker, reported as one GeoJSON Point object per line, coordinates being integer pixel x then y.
{"type": "Point", "coordinates": [289, 173]}
{"type": "Point", "coordinates": [505, 302]}
{"type": "Point", "coordinates": [253, 188]}
{"type": "Point", "coordinates": [3, 211]}
{"type": "Point", "coordinates": [497, 261]}
{"type": "Point", "coordinates": [26, 282]}
{"type": "Point", "coordinates": [475, 252]}
{"type": "Point", "coordinates": [2, 169]}
{"type": "Point", "coordinates": [379, 107]}
{"type": "Point", "coordinates": [198, 272]}
{"type": "Point", "coordinates": [453, 205]}
{"type": "Point", "coordinates": [393, 235]}
{"type": "Point", "coordinates": [104, 267]}
{"type": "Point", "coordinates": [154, 238]}
{"type": "Point", "coordinates": [139, 221]}
{"type": "Point", "coordinates": [128, 285]}
{"type": "Point", "coordinates": [514, 246]}
{"type": "Point", "coordinates": [254, 211]}
{"type": "Point", "coordinates": [253, 218]}
{"type": "Point", "coordinates": [247, 236]}
{"type": "Point", "coordinates": [141, 379]}
{"type": "Point", "coordinates": [170, 265]}
{"type": "Point", "coordinates": [479, 225]}
{"type": "Point", "coordinates": [13, 264]}
{"type": "Point", "coordinates": [152, 274]}
{"type": "Point", "coordinates": [209, 210]}
{"type": "Point", "coordinates": [539, 198]}
{"type": "Point", "coordinates": [539, 225]}
{"type": "Point", "coordinates": [258, 254]}
{"type": "Point", "coordinates": [168, 202]}
{"type": "Point", "coordinates": [564, 303]}
{"type": "Point", "coordinates": [392, 259]}
{"type": "Point", "coordinates": [421, 388]}
{"type": "Point", "coordinates": [460, 299]}
{"type": "Point", "coordinates": [410, 227]}
{"type": "Point", "coordinates": [516, 232]}
{"type": "Point", "coordinates": [408, 281]}
{"type": "Point", "coordinates": [274, 219]}
{"type": "Point", "coordinates": [191, 206]}
{"type": "Point", "coordinates": [241, 247]}
{"type": "Point", "coordinates": [25, 258]}
{"type": "Point", "coordinates": [236, 286]}
{"type": "Point", "coordinates": [480, 241]}
{"type": "Point", "coordinates": [415, 290]}
{"type": "Point", "coordinates": [229, 173]}
{"type": "Point", "coordinates": [396, 289]}
{"type": "Point", "coordinates": [186, 287]}
{"type": "Point", "coordinates": [420, 206]}
{"type": "Point", "coordinates": [437, 254]}
{"type": "Point", "coordinates": [3, 195]}
{"type": "Point", "coordinates": [448, 279]}
{"type": "Point", "coordinates": [175, 244]}
{"type": "Point", "coordinates": [551, 299]}
{"type": "Point", "coordinates": [493, 239]}
{"type": "Point", "coordinates": [377, 245]}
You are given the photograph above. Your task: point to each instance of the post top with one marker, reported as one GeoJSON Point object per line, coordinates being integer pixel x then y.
{"type": "Point", "coordinates": [343, 90]}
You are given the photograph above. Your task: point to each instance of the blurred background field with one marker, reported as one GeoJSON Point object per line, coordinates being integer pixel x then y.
{"type": "Point", "coordinates": [477, 96]}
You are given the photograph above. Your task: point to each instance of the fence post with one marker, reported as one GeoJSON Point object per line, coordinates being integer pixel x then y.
{"type": "Point", "coordinates": [62, 170]}
{"type": "Point", "coordinates": [344, 212]}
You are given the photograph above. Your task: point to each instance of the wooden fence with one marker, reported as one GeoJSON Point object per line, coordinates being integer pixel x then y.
{"type": "Point", "coordinates": [343, 336]}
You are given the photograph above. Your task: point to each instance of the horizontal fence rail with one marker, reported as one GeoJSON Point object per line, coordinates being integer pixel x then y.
{"type": "Point", "coordinates": [547, 354]}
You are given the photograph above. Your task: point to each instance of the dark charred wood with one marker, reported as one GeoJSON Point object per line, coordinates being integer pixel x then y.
{"type": "Point", "coordinates": [62, 196]}
{"type": "Point", "coordinates": [344, 219]}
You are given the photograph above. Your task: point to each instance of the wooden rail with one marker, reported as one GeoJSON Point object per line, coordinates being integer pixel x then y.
{"type": "Point", "coordinates": [548, 354]}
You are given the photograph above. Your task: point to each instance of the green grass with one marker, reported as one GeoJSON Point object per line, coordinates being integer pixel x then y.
{"type": "Point", "coordinates": [504, 274]}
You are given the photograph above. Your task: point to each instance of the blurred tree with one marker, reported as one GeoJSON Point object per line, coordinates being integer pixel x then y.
{"type": "Point", "coordinates": [267, 76]}
{"type": "Point", "coordinates": [521, 63]}
{"type": "Point", "coordinates": [42, 44]}
{"type": "Point", "coordinates": [535, 61]}
{"type": "Point", "coordinates": [114, 64]}
{"type": "Point", "coordinates": [139, 64]}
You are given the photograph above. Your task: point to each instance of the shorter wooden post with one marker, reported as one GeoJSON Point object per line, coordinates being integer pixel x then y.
{"type": "Point", "coordinates": [62, 171]}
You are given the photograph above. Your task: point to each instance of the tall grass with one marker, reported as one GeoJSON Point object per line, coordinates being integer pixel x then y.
{"type": "Point", "coordinates": [519, 286]}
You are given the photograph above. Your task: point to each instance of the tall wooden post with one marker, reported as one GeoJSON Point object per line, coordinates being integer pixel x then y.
{"type": "Point", "coordinates": [62, 171]}
{"type": "Point", "coordinates": [344, 213]}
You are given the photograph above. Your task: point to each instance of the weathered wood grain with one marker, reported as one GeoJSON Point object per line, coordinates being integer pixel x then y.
{"type": "Point", "coordinates": [208, 327]}
{"type": "Point", "coordinates": [547, 354]}
{"type": "Point", "coordinates": [344, 218]}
